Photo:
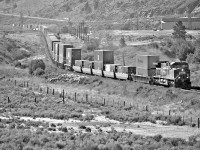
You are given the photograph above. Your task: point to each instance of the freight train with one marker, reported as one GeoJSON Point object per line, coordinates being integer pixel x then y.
{"type": "Point", "coordinates": [148, 68]}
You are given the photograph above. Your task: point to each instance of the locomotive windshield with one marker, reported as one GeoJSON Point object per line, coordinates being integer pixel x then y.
{"type": "Point", "coordinates": [179, 65]}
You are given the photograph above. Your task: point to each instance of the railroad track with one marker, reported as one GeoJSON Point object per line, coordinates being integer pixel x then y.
{"type": "Point", "coordinates": [197, 91]}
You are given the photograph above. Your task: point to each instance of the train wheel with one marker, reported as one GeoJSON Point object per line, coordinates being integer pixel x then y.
{"type": "Point", "coordinates": [171, 83]}
{"type": "Point", "coordinates": [151, 82]}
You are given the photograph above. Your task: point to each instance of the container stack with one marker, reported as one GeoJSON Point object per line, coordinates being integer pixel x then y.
{"type": "Point", "coordinates": [89, 64]}
{"type": "Point", "coordinates": [145, 65]}
{"type": "Point", "coordinates": [102, 57]}
{"type": "Point", "coordinates": [81, 63]}
{"type": "Point", "coordinates": [98, 65]}
{"type": "Point", "coordinates": [63, 52]}
{"type": "Point", "coordinates": [112, 67]}
{"type": "Point", "coordinates": [73, 54]}
{"type": "Point", "coordinates": [56, 52]}
{"type": "Point", "coordinates": [51, 40]}
{"type": "Point", "coordinates": [127, 69]}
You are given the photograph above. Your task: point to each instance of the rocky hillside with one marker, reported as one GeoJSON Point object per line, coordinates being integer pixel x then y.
{"type": "Point", "coordinates": [100, 9]}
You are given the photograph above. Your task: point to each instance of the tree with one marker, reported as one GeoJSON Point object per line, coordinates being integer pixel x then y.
{"type": "Point", "coordinates": [35, 64]}
{"type": "Point", "coordinates": [182, 48]}
{"type": "Point", "coordinates": [179, 31]}
{"type": "Point", "coordinates": [122, 42]}
{"type": "Point", "coordinates": [96, 4]}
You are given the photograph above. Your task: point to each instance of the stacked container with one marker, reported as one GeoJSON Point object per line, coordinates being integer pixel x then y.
{"type": "Point", "coordinates": [89, 64]}
{"type": "Point", "coordinates": [106, 56]}
{"type": "Point", "coordinates": [80, 63]}
{"type": "Point", "coordinates": [102, 57]}
{"type": "Point", "coordinates": [51, 40]}
{"type": "Point", "coordinates": [56, 51]}
{"type": "Point", "coordinates": [112, 67]}
{"type": "Point", "coordinates": [127, 69]}
{"type": "Point", "coordinates": [73, 54]}
{"type": "Point", "coordinates": [63, 52]}
{"type": "Point", "coordinates": [145, 65]}
{"type": "Point", "coordinates": [98, 65]}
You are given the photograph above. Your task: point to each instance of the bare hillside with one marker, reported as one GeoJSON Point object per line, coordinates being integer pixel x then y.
{"type": "Point", "coordinates": [100, 9]}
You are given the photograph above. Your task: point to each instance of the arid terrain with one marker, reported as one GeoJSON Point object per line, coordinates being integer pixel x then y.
{"type": "Point", "coordinates": [94, 112]}
{"type": "Point", "coordinates": [49, 108]}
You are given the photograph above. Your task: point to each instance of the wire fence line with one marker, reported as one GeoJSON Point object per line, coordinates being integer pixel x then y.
{"type": "Point", "coordinates": [65, 96]}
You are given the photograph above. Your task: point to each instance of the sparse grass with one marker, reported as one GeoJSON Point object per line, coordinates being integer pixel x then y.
{"type": "Point", "coordinates": [112, 140]}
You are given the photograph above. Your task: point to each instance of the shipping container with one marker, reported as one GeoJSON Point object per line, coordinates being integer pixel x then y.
{"type": "Point", "coordinates": [98, 65]}
{"type": "Point", "coordinates": [146, 61]}
{"type": "Point", "coordinates": [51, 39]}
{"type": "Point", "coordinates": [72, 54]}
{"type": "Point", "coordinates": [89, 64]}
{"type": "Point", "coordinates": [56, 50]}
{"type": "Point", "coordinates": [80, 63]}
{"type": "Point", "coordinates": [63, 51]}
{"type": "Point", "coordinates": [145, 72]}
{"type": "Point", "coordinates": [112, 67]}
{"type": "Point", "coordinates": [106, 56]}
{"type": "Point", "coordinates": [127, 69]}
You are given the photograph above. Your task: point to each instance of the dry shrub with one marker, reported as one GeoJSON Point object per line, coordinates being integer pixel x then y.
{"type": "Point", "coordinates": [17, 64]}
{"type": "Point", "coordinates": [93, 44]}
{"type": "Point", "coordinates": [35, 64]}
{"type": "Point", "coordinates": [39, 72]}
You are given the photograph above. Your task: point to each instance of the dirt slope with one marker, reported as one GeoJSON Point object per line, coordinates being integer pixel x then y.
{"type": "Point", "coordinates": [16, 46]}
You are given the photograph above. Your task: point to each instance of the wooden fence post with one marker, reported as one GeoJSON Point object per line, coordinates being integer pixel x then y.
{"type": "Point", "coordinates": [104, 101]}
{"type": "Point", "coordinates": [86, 98]}
{"type": "Point", "coordinates": [47, 90]}
{"type": "Point", "coordinates": [63, 96]}
{"type": "Point", "coordinates": [75, 96]}
{"type": "Point", "coordinates": [8, 99]}
{"type": "Point", "coordinates": [53, 92]}
{"type": "Point", "coordinates": [198, 122]}
{"type": "Point", "coordinates": [169, 112]}
{"type": "Point", "coordinates": [146, 108]}
{"type": "Point", "coordinates": [35, 100]}
{"type": "Point", "coordinates": [124, 103]}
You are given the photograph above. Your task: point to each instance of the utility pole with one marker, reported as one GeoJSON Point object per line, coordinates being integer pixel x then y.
{"type": "Point", "coordinates": [21, 20]}
{"type": "Point", "coordinates": [137, 21]}
{"type": "Point", "coordinates": [83, 33]}
{"type": "Point", "coordinates": [189, 18]}
{"type": "Point", "coordinates": [123, 59]}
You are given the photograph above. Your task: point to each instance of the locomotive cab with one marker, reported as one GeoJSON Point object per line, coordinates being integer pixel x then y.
{"type": "Point", "coordinates": [176, 74]}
